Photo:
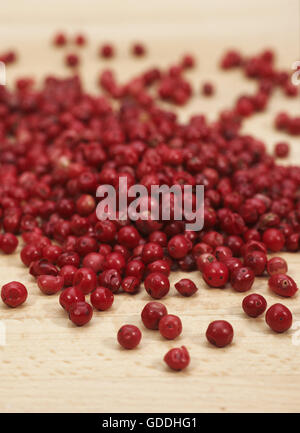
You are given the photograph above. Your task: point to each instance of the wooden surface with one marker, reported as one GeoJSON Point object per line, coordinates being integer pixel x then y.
{"type": "Point", "coordinates": [47, 363]}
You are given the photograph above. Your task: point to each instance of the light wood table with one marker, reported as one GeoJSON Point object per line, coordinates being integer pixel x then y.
{"type": "Point", "coordinates": [48, 364]}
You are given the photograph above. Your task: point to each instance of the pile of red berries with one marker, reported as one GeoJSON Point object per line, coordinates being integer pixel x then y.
{"type": "Point", "coordinates": [58, 144]}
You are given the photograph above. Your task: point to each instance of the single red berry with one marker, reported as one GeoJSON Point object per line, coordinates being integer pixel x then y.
{"type": "Point", "coordinates": [170, 326]}
{"type": "Point", "coordinates": [178, 247]}
{"type": "Point", "coordinates": [254, 305]}
{"type": "Point", "coordinates": [130, 284]}
{"type": "Point", "coordinates": [30, 253]}
{"type": "Point", "coordinates": [273, 239]}
{"type": "Point", "coordinates": [68, 258]}
{"type": "Point", "coordinates": [277, 265]}
{"type": "Point", "coordinates": [111, 279]}
{"type": "Point", "coordinates": [152, 252]}
{"type": "Point", "coordinates": [138, 50]}
{"type": "Point", "coordinates": [8, 243]}
{"type": "Point", "coordinates": [85, 279]}
{"type": "Point", "coordinates": [219, 333]}
{"type": "Point", "coordinates": [72, 60]}
{"type": "Point", "coordinates": [152, 314]}
{"type": "Point", "coordinates": [52, 252]}
{"type": "Point", "coordinates": [162, 266]}
{"type": "Point", "coordinates": [70, 296]}
{"type": "Point", "coordinates": [159, 238]}
{"type": "Point", "coordinates": [232, 264]}
{"type": "Point", "coordinates": [207, 89]}
{"type": "Point", "coordinates": [14, 294]}
{"type": "Point", "coordinates": [177, 358]}
{"type": "Point", "coordinates": [215, 274]}
{"type": "Point", "coordinates": [222, 253]}
{"type": "Point", "coordinates": [157, 285]}
{"type": "Point", "coordinates": [135, 268]}
{"type": "Point", "coordinates": [129, 237]}
{"type": "Point", "coordinates": [60, 39]}
{"type": "Point", "coordinates": [205, 259]}
{"type": "Point", "coordinates": [80, 313]}
{"type": "Point", "coordinates": [105, 231]}
{"type": "Point", "coordinates": [68, 272]}
{"type": "Point", "coordinates": [102, 298]}
{"type": "Point", "coordinates": [279, 318]}
{"type": "Point", "coordinates": [129, 336]}
{"type": "Point", "coordinates": [115, 260]}
{"type": "Point", "coordinates": [50, 284]}
{"type": "Point", "coordinates": [43, 267]}
{"type": "Point", "coordinates": [94, 261]}
{"type": "Point", "coordinates": [107, 51]}
{"type": "Point", "coordinates": [256, 260]}
{"type": "Point", "coordinates": [282, 150]}
{"type": "Point", "coordinates": [186, 287]}
{"type": "Point", "coordinates": [283, 285]}
{"type": "Point", "coordinates": [242, 279]}
{"type": "Point", "coordinates": [80, 40]}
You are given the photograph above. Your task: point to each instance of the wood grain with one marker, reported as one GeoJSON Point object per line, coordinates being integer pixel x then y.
{"type": "Point", "coordinates": [50, 365]}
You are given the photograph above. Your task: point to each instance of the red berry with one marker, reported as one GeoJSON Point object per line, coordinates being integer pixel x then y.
{"type": "Point", "coordinates": [60, 39]}
{"type": "Point", "coordinates": [219, 333]}
{"type": "Point", "coordinates": [80, 40]}
{"type": "Point", "coordinates": [157, 285]}
{"type": "Point", "coordinates": [111, 279]}
{"type": "Point", "coordinates": [102, 298]}
{"type": "Point", "coordinates": [30, 253]}
{"type": "Point", "coordinates": [94, 261]}
{"type": "Point", "coordinates": [68, 272]}
{"type": "Point", "coordinates": [52, 252]}
{"type": "Point", "coordinates": [208, 89]}
{"type": "Point", "coordinates": [129, 237]}
{"type": "Point", "coordinates": [177, 358]}
{"type": "Point", "coordinates": [273, 239]}
{"type": "Point", "coordinates": [242, 279]}
{"type": "Point", "coordinates": [152, 314]}
{"type": "Point", "coordinates": [222, 253]}
{"type": "Point", "coordinates": [80, 313]}
{"type": "Point", "coordinates": [72, 60]}
{"type": "Point", "coordinates": [8, 243]}
{"type": "Point", "coordinates": [277, 265]}
{"type": "Point", "coordinates": [135, 268]}
{"type": "Point", "coordinates": [14, 294]}
{"type": "Point", "coordinates": [256, 260]}
{"type": "Point", "coordinates": [283, 285]}
{"type": "Point", "coordinates": [254, 305]}
{"type": "Point", "coordinates": [170, 326]}
{"type": "Point", "coordinates": [107, 51]}
{"type": "Point", "coordinates": [50, 284]}
{"type": "Point", "coordinates": [232, 264]}
{"type": "Point", "coordinates": [215, 274]}
{"type": "Point", "coordinates": [162, 266]}
{"type": "Point", "coordinates": [85, 279]}
{"type": "Point", "coordinates": [282, 150]}
{"type": "Point", "coordinates": [279, 318]}
{"type": "Point", "coordinates": [70, 296]}
{"type": "Point", "coordinates": [129, 336]}
{"type": "Point", "coordinates": [186, 287]}
{"type": "Point", "coordinates": [178, 247]}
{"type": "Point", "coordinates": [152, 252]}
{"type": "Point", "coordinates": [138, 50]}
{"type": "Point", "coordinates": [205, 259]}
{"type": "Point", "coordinates": [130, 284]}
{"type": "Point", "coordinates": [115, 260]}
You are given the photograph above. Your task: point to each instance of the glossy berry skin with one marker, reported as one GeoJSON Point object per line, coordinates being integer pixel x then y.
{"type": "Point", "coordinates": [102, 298]}
{"type": "Point", "coordinates": [51, 253]}
{"type": "Point", "coordinates": [219, 333]}
{"type": "Point", "coordinates": [222, 253]}
{"type": "Point", "coordinates": [283, 285]}
{"type": "Point", "coordinates": [152, 252]}
{"type": "Point", "coordinates": [70, 296]}
{"type": "Point", "coordinates": [129, 237]}
{"type": "Point", "coordinates": [115, 260]}
{"type": "Point", "coordinates": [94, 261]}
{"type": "Point", "coordinates": [178, 247]}
{"type": "Point", "coordinates": [170, 326]}
{"type": "Point", "coordinates": [152, 314]}
{"type": "Point", "coordinates": [129, 336]}
{"type": "Point", "coordinates": [232, 264]}
{"type": "Point", "coordinates": [279, 318]}
{"type": "Point", "coordinates": [80, 313]}
{"type": "Point", "coordinates": [111, 279]}
{"type": "Point", "coordinates": [277, 265]}
{"type": "Point", "coordinates": [162, 266]}
{"type": "Point", "coordinates": [30, 253]}
{"type": "Point", "coordinates": [68, 272]}
{"type": "Point", "coordinates": [256, 260]}
{"type": "Point", "coordinates": [177, 358]}
{"type": "Point", "coordinates": [49, 284]}
{"type": "Point", "coordinates": [14, 294]}
{"type": "Point", "coordinates": [85, 279]}
{"type": "Point", "coordinates": [254, 305]}
{"type": "Point", "coordinates": [205, 259]}
{"type": "Point", "coordinates": [282, 149]}
{"type": "Point", "coordinates": [71, 60]}
{"type": "Point", "coordinates": [130, 284]}
{"type": "Point", "coordinates": [8, 243]}
{"type": "Point", "coordinates": [242, 279]}
{"type": "Point", "coordinates": [157, 285]}
{"type": "Point", "coordinates": [216, 274]}
{"type": "Point", "coordinates": [186, 287]}
{"type": "Point", "coordinates": [135, 268]}
{"type": "Point", "coordinates": [273, 239]}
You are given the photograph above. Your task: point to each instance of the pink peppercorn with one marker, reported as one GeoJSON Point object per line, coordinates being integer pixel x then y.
{"type": "Point", "coordinates": [152, 314]}
{"type": "Point", "coordinates": [129, 336]}
{"type": "Point", "coordinates": [107, 51]}
{"type": "Point", "coordinates": [70, 296]}
{"type": "Point", "coordinates": [219, 333]}
{"type": "Point", "coordinates": [72, 60]}
{"type": "Point", "coordinates": [138, 50]}
{"type": "Point", "coordinates": [242, 279]}
{"type": "Point", "coordinates": [186, 287]}
{"type": "Point", "coordinates": [177, 358]}
{"type": "Point", "coordinates": [85, 279]}
{"type": "Point", "coordinates": [102, 298]}
{"type": "Point", "coordinates": [216, 274]}
{"type": "Point", "coordinates": [170, 326]}
{"type": "Point", "coordinates": [254, 305]}
{"type": "Point", "coordinates": [282, 285]}
{"type": "Point", "coordinates": [279, 318]}
{"type": "Point", "coordinates": [157, 285]}
{"type": "Point", "coordinates": [14, 294]}
{"type": "Point", "coordinates": [282, 150]}
{"type": "Point", "coordinates": [277, 265]}
{"type": "Point", "coordinates": [80, 313]}
{"type": "Point", "coordinates": [50, 284]}
{"type": "Point", "coordinates": [8, 243]}
{"type": "Point", "coordinates": [207, 89]}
